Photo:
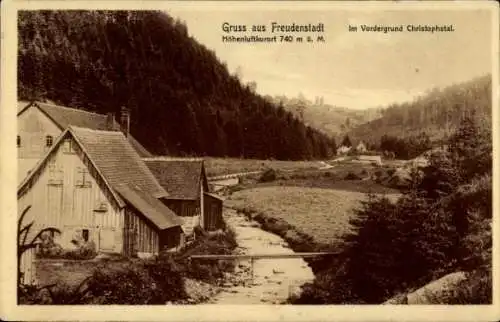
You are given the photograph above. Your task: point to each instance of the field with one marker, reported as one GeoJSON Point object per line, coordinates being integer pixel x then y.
{"type": "Point", "coordinates": [321, 213]}
{"type": "Point", "coordinates": [222, 166]}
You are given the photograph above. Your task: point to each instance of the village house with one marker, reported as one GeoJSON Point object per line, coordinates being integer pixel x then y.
{"type": "Point", "coordinates": [40, 124]}
{"type": "Point", "coordinates": [343, 150]}
{"type": "Point", "coordinates": [93, 186]}
{"type": "Point", "coordinates": [186, 183]}
{"type": "Point", "coordinates": [361, 147]}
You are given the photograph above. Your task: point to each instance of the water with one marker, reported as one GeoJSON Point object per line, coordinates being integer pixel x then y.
{"type": "Point", "coordinates": [273, 280]}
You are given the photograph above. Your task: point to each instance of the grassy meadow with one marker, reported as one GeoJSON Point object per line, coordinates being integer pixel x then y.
{"type": "Point", "coordinates": [222, 166]}
{"type": "Point", "coordinates": [321, 213]}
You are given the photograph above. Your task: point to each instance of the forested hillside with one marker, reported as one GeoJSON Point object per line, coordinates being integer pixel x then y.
{"type": "Point", "coordinates": [183, 100]}
{"type": "Point", "coordinates": [437, 113]}
{"type": "Point", "coordinates": [332, 120]}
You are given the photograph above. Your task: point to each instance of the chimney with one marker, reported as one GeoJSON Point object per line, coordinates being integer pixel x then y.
{"type": "Point", "coordinates": [110, 120]}
{"type": "Point", "coordinates": [125, 120]}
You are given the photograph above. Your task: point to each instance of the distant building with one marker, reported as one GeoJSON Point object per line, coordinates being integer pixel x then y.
{"type": "Point", "coordinates": [40, 124]}
{"type": "Point", "coordinates": [361, 148]}
{"type": "Point", "coordinates": [93, 186]}
{"type": "Point", "coordinates": [342, 150]}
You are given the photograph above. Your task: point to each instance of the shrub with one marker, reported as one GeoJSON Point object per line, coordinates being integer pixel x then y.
{"type": "Point", "coordinates": [352, 176]}
{"type": "Point", "coordinates": [476, 289]}
{"type": "Point", "coordinates": [211, 271]}
{"type": "Point", "coordinates": [156, 281]}
{"type": "Point", "coordinates": [48, 248]}
{"type": "Point", "coordinates": [129, 285]}
{"type": "Point", "coordinates": [403, 245]}
{"type": "Point", "coordinates": [268, 175]}
{"type": "Point", "coordinates": [84, 251]}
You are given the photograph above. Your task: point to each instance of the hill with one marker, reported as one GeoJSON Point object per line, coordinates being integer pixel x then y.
{"type": "Point", "coordinates": [436, 113]}
{"type": "Point", "coordinates": [332, 120]}
{"type": "Point", "coordinates": [183, 100]}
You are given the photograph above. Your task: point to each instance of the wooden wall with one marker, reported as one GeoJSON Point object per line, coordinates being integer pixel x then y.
{"type": "Point", "coordinates": [183, 208]}
{"type": "Point", "coordinates": [140, 236]}
{"type": "Point", "coordinates": [69, 196]}
{"type": "Point", "coordinates": [213, 213]}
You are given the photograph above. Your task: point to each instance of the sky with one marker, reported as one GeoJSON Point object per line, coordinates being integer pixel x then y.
{"type": "Point", "coordinates": [350, 69]}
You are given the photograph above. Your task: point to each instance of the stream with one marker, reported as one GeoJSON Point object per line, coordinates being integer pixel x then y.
{"type": "Point", "coordinates": [273, 280]}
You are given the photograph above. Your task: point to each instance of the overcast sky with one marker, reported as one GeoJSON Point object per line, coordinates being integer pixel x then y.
{"type": "Point", "coordinates": [356, 70]}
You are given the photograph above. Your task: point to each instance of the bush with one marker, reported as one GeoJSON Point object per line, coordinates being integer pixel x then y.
{"type": "Point", "coordinates": [84, 251]}
{"type": "Point", "coordinates": [352, 176]}
{"type": "Point", "coordinates": [48, 248]}
{"type": "Point", "coordinates": [211, 271]}
{"type": "Point", "coordinates": [476, 289]}
{"type": "Point", "coordinates": [268, 176]}
{"type": "Point", "coordinates": [403, 245]}
{"type": "Point", "coordinates": [130, 285]}
{"type": "Point", "coordinates": [154, 282]}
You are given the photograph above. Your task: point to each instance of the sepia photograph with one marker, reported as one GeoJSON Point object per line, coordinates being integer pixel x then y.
{"type": "Point", "coordinates": [257, 153]}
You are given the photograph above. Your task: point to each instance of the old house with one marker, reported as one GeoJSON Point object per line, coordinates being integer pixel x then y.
{"type": "Point", "coordinates": [185, 181]}
{"type": "Point", "coordinates": [343, 150]}
{"type": "Point", "coordinates": [361, 147]}
{"type": "Point", "coordinates": [94, 187]}
{"type": "Point", "coordinates": [40, 124]}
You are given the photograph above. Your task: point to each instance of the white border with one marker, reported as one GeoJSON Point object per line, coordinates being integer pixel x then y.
{"type": "Point", "coordinates": [8, 182]}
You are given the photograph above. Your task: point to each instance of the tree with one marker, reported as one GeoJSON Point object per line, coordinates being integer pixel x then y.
{"type": "Point", "coordinates": [470, 148]}
{"type": "Point", "coordinates": [346, 141]}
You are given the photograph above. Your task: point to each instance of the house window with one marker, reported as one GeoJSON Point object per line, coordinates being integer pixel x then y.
{"type": "Point", "coordinates": [56, 174]}
{"type": "Point", "coordinates": [18, 141]}
{"type": "Point", "coordinates": [83, 178]}
{"type": "Point", "coordinates": [68, 148]}
{"type": "Point", "coordinates": [85, 235]}
{"type": "Point", "coordinates": [49, 140]}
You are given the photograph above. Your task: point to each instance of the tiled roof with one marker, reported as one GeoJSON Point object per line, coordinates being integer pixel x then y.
{"type": "Point", "coordinates": [66, 116]}
{"type": "Point", "coordinates": [115, 158]}
{"type": "Point", "coordinates": [179, 177]}
{"type": "Point", "coordinates": [153, 209]}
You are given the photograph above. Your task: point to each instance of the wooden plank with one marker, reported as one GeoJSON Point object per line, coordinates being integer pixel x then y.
{"type": "Point", "coordinates": [257, 256]}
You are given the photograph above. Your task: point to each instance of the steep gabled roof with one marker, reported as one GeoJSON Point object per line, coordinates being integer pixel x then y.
{"type": "Point", "coordinates": [121, 169]}
{"type": "Point", "coordinates": [159, 214]}
{"type": "Point", "coordinates": [118, 162]}
{"type": "Point", "coordinates": [64, 117]}
{"type": "Point", "coordinates": [179, 177]}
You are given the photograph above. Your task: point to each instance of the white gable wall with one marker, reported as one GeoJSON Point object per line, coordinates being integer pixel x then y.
{"type": "Point", "coordinates": [33, 126]}
{"type": "Point", "coordinates": [59, 199]}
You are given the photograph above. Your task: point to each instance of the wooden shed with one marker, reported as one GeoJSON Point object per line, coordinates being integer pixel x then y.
{"type": "Point", "coordinates": [186, 182]}
{"type": "Point", "coordinates": [213, 209]}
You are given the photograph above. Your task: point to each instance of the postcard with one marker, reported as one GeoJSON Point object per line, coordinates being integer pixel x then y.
{"type": "Point", "coordinates": [249, 160]}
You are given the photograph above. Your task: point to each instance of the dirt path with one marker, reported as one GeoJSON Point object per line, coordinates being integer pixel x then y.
{"type": "Point", "coordinates": [274, 280]}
